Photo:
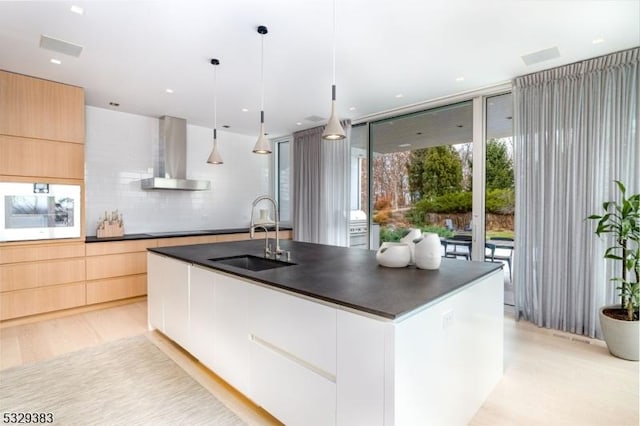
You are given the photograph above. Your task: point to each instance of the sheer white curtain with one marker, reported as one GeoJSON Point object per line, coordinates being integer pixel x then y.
{"type": "Point", "coordinates": [321, 188]}
{"type": "Point", "coordinates": [575, 131]}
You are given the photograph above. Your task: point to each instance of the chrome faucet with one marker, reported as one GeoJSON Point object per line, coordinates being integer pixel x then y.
{"type": "Point", "coordinates": [252, 227]}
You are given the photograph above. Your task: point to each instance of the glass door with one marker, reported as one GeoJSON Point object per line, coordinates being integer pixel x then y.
{"type": "Point", "coordinates": [500, 188]}
{"type": "Point", "coordinates": [422, 176]}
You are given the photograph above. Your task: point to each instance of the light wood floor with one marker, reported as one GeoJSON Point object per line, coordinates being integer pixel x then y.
{"type": "Point", "coordinates": [550, 378]}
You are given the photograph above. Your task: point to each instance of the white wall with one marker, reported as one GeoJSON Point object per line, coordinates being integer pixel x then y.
{"type": "Point", "coordinates": [120, 150]}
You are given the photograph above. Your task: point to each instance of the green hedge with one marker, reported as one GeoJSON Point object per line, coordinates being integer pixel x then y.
{"type": "Point", "coordinates": [499, 201]}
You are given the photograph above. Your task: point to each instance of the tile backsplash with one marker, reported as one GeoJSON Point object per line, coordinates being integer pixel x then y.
{"type": "Point", "coordinates": [120, 152]}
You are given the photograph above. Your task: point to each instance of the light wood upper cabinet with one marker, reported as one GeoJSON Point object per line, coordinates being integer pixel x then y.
{"type": "Point", "coordinates": [41, 158]}
{"type": "Point", "coordinates": [41, 109]}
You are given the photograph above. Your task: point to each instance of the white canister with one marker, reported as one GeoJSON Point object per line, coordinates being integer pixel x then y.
{"type": "Point", "coordinates": [427, 251]}
{"type": "Point", "coordinates": [414, 234]}
{"type": "Point", "coordinates": [393, 255]}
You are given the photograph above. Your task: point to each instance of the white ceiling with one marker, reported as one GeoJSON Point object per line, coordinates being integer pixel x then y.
{"type": "Point", "coordinates": [134, 50]}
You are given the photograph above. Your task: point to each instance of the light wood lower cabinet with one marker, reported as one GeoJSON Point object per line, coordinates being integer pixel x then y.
{"type": "Point", "coordinates": [105, 290]}
{"type": "Point", "coordinates": [116, 265]}
{"type": "Point", "coordinates": [31, 252]}
{"type": "Point", "coordinates": [21, 303]}
{"type": "Point", "coordinates": [18, 276]}
{"type": "Point", "coordinates": [41, 278]}
{"type": "Point", "coordinates": [117, 269]}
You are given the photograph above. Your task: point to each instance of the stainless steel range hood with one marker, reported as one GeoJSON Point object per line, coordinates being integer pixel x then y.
{"type": "Point", "coordinates": [171, 169]}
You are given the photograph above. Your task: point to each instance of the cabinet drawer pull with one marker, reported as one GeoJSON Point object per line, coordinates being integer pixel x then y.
{"type": "Point", "coordinates": [293, 358]}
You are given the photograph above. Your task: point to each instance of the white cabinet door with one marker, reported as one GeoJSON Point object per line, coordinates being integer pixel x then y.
{"type": "Point", "coordinates": [290, 391]}
{"type": "Point", "coordinates": [167, 288]}
{"type": "Point", "coordinates": [361, 369]}
{"type": "Point", "coordinates": [230, 327]}
{"type": "Point", "coordinates": [155, 291]}
{"type": "Point", "coordinates": [201, 317]}
{"type": "Point", "coordinates": [175, 276]}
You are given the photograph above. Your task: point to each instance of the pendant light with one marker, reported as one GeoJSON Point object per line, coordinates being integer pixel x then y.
{"type": "Point", "coordinates": [214, 157]}
{"type": "Point", "coordinates": [263, 146]}
{"type": "Point", "coordinates": [333, 130]}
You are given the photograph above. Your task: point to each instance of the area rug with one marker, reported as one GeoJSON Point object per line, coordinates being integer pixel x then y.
{"type": "Point", "coordinates": [125, 382]}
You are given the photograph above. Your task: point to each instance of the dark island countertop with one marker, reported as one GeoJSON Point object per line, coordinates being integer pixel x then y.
{"type": "Point", "coordinates": [343, 276]}
{"type": "Point", "coordinates": [174, 234]}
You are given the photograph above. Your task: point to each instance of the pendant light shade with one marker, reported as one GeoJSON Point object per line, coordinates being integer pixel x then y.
{"type": "Point", "coordinates": [262, 146]}
{"type": "Point", "coordinates": [214, 157]}
{"type": "Point", "coordinates": [333, 130]}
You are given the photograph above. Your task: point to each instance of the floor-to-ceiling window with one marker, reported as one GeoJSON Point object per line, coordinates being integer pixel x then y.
{"type": "Point", "coordinates": [359, 191]}
{"type": "Point", "coordinates": [421, 166]}
{"type": "Point", "coordinates": [423, 176]}
{"type": "Point", "coordinates": [283, 179]}
{"type": "Point", "coordinates": [499, 186]}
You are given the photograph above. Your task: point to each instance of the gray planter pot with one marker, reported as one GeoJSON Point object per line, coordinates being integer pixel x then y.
{"type": "Point", "coordinates": [622, 337]}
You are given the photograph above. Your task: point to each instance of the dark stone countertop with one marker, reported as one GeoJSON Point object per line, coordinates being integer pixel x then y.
{"type": "Point", "coordinates": [346, 277]}
{"type": "Point", "coordinates": [174, 234]}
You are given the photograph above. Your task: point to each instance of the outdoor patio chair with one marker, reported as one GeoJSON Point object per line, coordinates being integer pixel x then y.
{"type": "Point", "coordinates": [458, 242]}
{"type": "Point", "coordinates": [448, 223]}
{"type": "Point", "coordinates": [489, 252]}
{"type": "Point", "coordinates": [505, 257]}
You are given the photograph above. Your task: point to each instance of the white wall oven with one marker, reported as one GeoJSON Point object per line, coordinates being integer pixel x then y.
{"type": "Point", "coordinates": [39, 211]}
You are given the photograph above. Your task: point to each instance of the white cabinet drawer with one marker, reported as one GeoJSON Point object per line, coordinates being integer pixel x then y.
{"type": "Point", "coordinates": [297, 326]}
{"type": "Point", "coordinates": [292, 393]}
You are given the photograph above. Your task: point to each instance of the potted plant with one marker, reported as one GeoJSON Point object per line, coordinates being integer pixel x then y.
{"type": "Point", "coordinates": [620, 323]}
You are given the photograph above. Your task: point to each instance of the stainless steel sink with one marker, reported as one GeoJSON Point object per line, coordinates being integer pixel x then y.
{"type": "Point", "coordinates": [252, 263]}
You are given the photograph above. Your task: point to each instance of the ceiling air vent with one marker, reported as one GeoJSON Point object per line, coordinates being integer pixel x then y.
{"type": "Point", "coordinates": [60, 46]}
{"type": "Point", "coordinates": [541, 56]}
{"type": "Point", "coordinates": [314, 118]}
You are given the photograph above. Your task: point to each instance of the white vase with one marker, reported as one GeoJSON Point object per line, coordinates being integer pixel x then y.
{"type": "Point", "coordinates": [414, 234]}
{"type": "Point", "coordinates": [393, 255]}
{"type": "Point", "coordinates": [427, 251]}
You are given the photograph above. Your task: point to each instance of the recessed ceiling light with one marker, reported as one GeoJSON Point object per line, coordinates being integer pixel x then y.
{"type": "Point", "coordinates": [56, 61]}
{"type": "Point", "coordinates": [399, 95]}
{"type": "Point", "coordinates": [404, 145]}
{"type": "Point", "coordinates": [298, 124]}
{"type": "Point", "coordinates": [597, 40]}
{"type": "Point", "coordinates": [245, 109]}
{"type": "Point", "coordinates": [77, 9]}
{"type": "Point", "coordinates": [114, 104]}
{"type": "Point", "coordinates": [352, 108]}
{"type": "Point", "coordinates": [459, 78]}
{"type": "Point", "coordinates": [169, 90]}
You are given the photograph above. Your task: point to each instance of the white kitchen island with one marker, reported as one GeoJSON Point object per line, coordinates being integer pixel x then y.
{"type": "Point", "coordinates": [308, 360]}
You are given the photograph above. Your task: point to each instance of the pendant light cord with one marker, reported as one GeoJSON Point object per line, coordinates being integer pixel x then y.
{"type": "Point", "coordinates": [215, 102]}
{"type": "Point", "coordinates": [334, 43]}
{"type": "Point", "coordinates": [262, 80]}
